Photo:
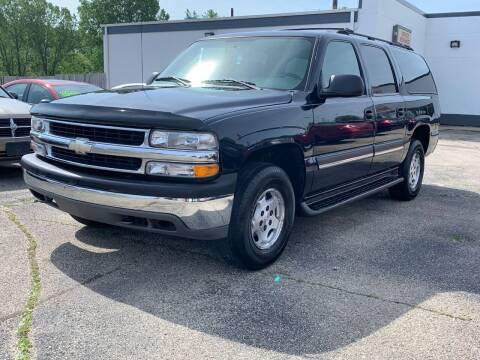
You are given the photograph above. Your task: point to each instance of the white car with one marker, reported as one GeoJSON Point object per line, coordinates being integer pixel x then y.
{"type": "Point", "coordinates": [15, 126]}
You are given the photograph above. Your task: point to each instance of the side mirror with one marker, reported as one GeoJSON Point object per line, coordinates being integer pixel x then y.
{"type": "Point", "coordinates": [13, 94]}
{"type": "Point", "coordinates": [344, 86]}
{"type": "Point", "coordinates": [151, 78]}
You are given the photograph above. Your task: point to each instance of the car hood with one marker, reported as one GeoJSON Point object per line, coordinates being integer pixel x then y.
{"type": "Point", "coordinates": [180, 108]}
{"type": "Point", "coordinates": [11, 107]}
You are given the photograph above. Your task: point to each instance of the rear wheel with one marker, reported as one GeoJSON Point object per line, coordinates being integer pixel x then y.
{"type": "Point", "coordinates": [262, 216]}
{"type": "Point", "coordinates": [411, 170]}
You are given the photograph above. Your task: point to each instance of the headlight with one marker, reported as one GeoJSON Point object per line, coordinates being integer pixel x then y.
{"type": "Point", "coordinates": [37, 124]}
{"type": "Point", "coordinates": [182, 170]}
{"type": "Point", "coordinates": [183, 140]}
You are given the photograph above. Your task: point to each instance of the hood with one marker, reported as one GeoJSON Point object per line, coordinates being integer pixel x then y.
{"type": "Point", "coordinates": [180, 108]}
{"type": "Point", "coordinates": [12, 107]}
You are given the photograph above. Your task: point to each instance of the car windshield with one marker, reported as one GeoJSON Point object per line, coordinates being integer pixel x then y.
{"type": "Point", "coordinates": [3, 93]}
{"type": "Point", "coordinates": [247, 63]}
{"type": "Point", "coordinates": [64, 91]}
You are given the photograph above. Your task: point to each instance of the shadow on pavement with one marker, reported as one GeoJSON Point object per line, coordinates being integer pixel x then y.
{"type": "Point", "coordinates": [395, 251]}
{"type": "Point", "coordinates": [11, 178]}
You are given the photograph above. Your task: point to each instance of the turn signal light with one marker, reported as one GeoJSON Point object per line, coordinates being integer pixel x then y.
{"type": "Point", "coordinates": [203, 171]}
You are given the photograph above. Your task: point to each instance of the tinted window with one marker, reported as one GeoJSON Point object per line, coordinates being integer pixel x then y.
{"type": "Point", "coordinates": [64, 91]}
{"type": "Point", "coordinates": [18, 89]}
{"type": "Point", "coordinates": [379, 70]}
{"type": "Point", "coordinates": [340, 59]}
{"type": "Point", "coordinates": [277, 63]}
{"type": "Point", "coordinates": [37, 94]}
{"type": "Point", "coordinates": [418, 77]}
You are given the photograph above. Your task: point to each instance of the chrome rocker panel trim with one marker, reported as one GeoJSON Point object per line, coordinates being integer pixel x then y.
{"type": "Point", "coordinates": [197, 214]}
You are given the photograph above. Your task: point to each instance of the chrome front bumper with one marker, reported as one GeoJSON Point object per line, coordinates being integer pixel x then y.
{"type": "Point", "coordinates": [196, 214]}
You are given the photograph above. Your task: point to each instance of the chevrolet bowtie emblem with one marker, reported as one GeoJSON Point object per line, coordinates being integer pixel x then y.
{"type": "Point", "coordinates": [80, 146]}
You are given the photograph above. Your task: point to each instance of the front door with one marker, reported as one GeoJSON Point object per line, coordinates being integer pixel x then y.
{"type": "Point", "coordinates": [344, 127]}
{"type": "Point", "coordinates": [390, 117]}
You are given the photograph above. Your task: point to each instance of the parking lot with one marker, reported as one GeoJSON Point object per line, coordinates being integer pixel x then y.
{"type": "Point", "coordinates": [377, 279]}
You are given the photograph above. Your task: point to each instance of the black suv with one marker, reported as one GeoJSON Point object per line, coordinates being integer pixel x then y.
{"type": "Point", "coordinates": [238, 135]}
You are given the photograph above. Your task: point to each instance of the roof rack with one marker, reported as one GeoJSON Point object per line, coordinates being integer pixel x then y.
{"type": "Point", "coordinates": [351, 32]}
{"type": "Point", "coordinates": [346, 31]}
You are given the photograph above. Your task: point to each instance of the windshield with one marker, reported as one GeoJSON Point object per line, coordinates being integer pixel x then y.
{"type": "Point", "coordinates": [3, 93]}
{"type": "Point", "coordinates": [275, 63]}
{"type": "Point", "coordinates": [64, 91]}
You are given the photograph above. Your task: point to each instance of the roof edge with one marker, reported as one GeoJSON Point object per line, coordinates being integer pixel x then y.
{"type": "Point", "coordinates": [452, 14]}
{"type": "Point", "coordinates": [229, 18]}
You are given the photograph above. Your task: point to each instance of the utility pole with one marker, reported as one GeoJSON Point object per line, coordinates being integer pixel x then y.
{"type": "Point", "coordinates": [335, 4]}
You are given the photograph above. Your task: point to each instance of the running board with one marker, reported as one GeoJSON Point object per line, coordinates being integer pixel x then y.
{"type": "Point", "coordinates": [348, 197]}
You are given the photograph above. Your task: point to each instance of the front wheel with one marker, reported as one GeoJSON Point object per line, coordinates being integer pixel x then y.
{"type": "Point", "coordinates": [411, 170]}
{"type": "Point", "coordinates": [262, 216]}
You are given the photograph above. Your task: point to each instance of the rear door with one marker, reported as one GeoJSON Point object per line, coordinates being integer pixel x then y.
{"type": "Point", "coordinates": [344, 127]}
{"type": "Point", "coordinates": [390, 117]}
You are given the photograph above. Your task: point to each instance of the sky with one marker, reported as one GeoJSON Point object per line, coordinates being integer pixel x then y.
{"type": "Point", "coordinates": [176, 8]}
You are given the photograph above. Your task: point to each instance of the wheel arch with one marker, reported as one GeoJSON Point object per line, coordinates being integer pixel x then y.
{"type": "Point", "coordinates": [287, 155]}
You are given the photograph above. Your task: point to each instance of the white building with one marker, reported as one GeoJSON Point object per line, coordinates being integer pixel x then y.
{"type": "Point", "coordinates": [449, 41]}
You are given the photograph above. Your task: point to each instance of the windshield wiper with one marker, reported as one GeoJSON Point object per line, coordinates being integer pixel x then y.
{"type": "Point", "coordinates": [246, 84]}
{"type": "Point", "coordinates": [180, 81]}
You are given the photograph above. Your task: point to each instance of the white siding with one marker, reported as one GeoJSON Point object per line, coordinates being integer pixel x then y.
{"type": "Point", "coordinates": [456, 71]}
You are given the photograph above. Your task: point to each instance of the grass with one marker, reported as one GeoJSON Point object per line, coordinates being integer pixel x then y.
{"type": "Point", "coordinates": [24, 344]}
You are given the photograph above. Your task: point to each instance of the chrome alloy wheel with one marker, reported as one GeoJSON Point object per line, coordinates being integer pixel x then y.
{"type": "Point", "coordinates": [415, 171]}
{"type": "Point", "coordinates": [268, 219]}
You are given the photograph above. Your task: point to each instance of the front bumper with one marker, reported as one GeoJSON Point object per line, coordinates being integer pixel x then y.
{"type": "Point", "coordinates": [196, 217]}
{"type": "Point", "coordinates": [24, 141]}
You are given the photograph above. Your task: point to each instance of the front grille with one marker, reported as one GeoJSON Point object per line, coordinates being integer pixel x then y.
{"type": "Point", "coordinates": [22, 124]}
{"type": "Point", "coordinates": [105, 161]}
{"type": "Point", "coordinates": [98, 134]}
{"type": "Point", "coordinates": [22, 132]}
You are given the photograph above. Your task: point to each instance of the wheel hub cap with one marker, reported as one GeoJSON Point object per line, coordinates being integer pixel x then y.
{"type": "Point", "coordinates": [267, 219]}
{"type": "Point", "coordinates": [415, 171]}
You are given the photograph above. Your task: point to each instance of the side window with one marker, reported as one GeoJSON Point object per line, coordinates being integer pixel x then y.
{"type": "Point", "coordinates": [340, 59]}
{"type": "Point", "coordinates": [379, 70]}
{"type": "Point", "coordinates": [18, 89]}
{"type": "Point", "coordinates": [418, 77]}
{"type": "Point", "coordinates": [37, 93]}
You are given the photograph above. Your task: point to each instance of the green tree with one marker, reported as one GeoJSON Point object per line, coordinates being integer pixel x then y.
{"type": "Point", "coordinates": [191, 14]}
{"type": "Point", "coordinates": [94, 13]}
{"type": "Point", "coordinates": [52, 36]}
{"type": "Point", "coordinates": [14, 45]}
{"type": "Point", "coordinates": [210, 14]}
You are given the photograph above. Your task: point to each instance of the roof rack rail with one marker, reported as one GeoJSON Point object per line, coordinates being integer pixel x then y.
{"type": "Point", "coordinates": [321, 28]}
{"type": "Point", "coordinates": [350, 32]}
{"type": "Point", "coordinates": [347, 31]}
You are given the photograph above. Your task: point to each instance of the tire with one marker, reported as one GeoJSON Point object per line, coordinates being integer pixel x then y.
{"type": "Point", "coordinates": [257, 236]}
{"type": "Point", "coordinates": [413, 174]}
{"type": "Point", "coordinates": [89, 223]}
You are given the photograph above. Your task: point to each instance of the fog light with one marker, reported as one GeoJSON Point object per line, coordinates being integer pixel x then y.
{"type": "Point", "coordinates": [39, 149]}
{"type": "Point", "coordinates": [182, 170]}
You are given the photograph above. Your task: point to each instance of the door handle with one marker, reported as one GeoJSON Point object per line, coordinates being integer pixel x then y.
{"type": "Point", "coordinates": [369, 115]}
{"type": "Point", "coordinates": [401, 112]}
